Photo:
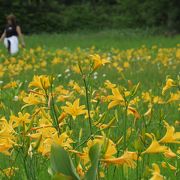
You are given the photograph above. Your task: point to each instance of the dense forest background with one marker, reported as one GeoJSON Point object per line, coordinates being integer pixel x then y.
{"type": "Point", "coordinates": [36, 16]}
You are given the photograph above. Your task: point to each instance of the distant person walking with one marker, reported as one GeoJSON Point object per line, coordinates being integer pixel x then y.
{"type": "Point", "coordinates": [10, 35]}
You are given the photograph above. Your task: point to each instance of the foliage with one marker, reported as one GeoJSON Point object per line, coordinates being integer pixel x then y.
{"type": "Point", "coordinates": [61, 163]}
{"type": "Point", "coordinates": [57, 16]}
{"type": "Point", "coordinates": [110, 113]}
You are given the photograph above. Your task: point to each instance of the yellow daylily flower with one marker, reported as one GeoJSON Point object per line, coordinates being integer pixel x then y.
{"type": "Point", "coordinates": [41, 82]}
{"type": "Point", "coordinates": [156, 173]}
{"type": "Point", "coordinates": [45, 145]}
{"type": "Point", "coordinates": [146, 96]}
{"type": "Point", "coordinates": [101, 174]}
{"type": "Point", "coordinates": [126, 64]}
{"type": "Point", "coordinates": [169, 83]}
{"type": "Point", "coordinates": [158, 100]}
{"type": "Point", "coordinates": [116, 98]}
{"type": "Point", "coordinates": [174, 97]}
{"type": "Point", "coordinates": [178, 151]}
{"type": "Point", "coordinates": [98, 61]}
{"type": "Point", "coordinates": [76, 69]}
{"type": "Point", "coordinates": [169, 153]}
{"type": "Point", "coordinates": [34, 99]}
{"type": "Point", "coordinates": [20, 120]}
{"type": "Point", "coordinates": [167, 165]}
{"type": "Point", "coordinates": [9, 172]}
{"type": "Point", "coordinates": [109, 85]}
{"type": "Point", "coordinates": [76, 87]}
{"type": "Point", "coordinates": [61, 90]}
{"type": "Point", "coordinates": [134, 112]}
{"type": "Point", "coordinates": [149, 111]}
{"type": "Point", "coordinates": [6, 145]}
{"type": "Point", "coordinates": [154, 147]}
{"type": "Point", "coordinates": [128, 158]}
{"type": "Point", "coordinates": [62, 117]}
{"type": "Point", "coordinates": [12, 84]}
{"type": "Point", "coordinates": [2, 71]}
{"type": "Point", "coordinates": [107, 145]}
{"type": "Point", "coordinates": [7, 138]}
{"type": "Point", "coordinates": [80, 170]}
{"type": "Point", "coordinates": [171, 136]}
{"type": "Point", "coordinates": [74, 109]}
{"type": "Point", "coordinates": [56, 60]}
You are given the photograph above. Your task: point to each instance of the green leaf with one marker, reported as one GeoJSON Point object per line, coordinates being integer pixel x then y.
{"type": "Point", "coordinates": [60, 176]}
{"type": "Point", "coordinates": [134, 90]}
{"type": "Point", "coordinates": [94, 154]}
{"type": "Point", "coordinates": [61, 162]}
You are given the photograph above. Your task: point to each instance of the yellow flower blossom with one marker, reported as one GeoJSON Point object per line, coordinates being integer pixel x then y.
{"type": "Point", "coordinates": [149, 111]}
{"type": "Point", "coordinates": [167, 165]}
{"type": "Point", "coordinates": [12, 84]}
{"type": "Point", "coordinates": [98, 61]}
{"type": "Point", "coordinates": [128, 158]}
{"type": "Point", "coordinates": [76, 69]}
{"type": "Point", "coordinates": [158, 100]}
{"type": "Point", "coordinates": [174, 97]}
{"type": "Point", "coordinates": [109, 85]}
{"type": "Point", "coordinates": [74, 109]}
{"type": "Point", "coordinates": [169, 83]}
{"type": "Point", "coordinates": [45, 145]}
{"type": "Point", "coordinates": [7, 138]}
{"type": "Point", "coordinates": [80, 170]}
{"type": "Point", "coordinates": [126, 64]}
{"type": "Point", "coordinates": [156, 173]}
{"type": "Point", "coordinates": [2, 71]}
{"type": "Point", "coordinates": [134, 112]}
{"type": "Point", "coordinates": [34, 99]}
{"type": "Point", "coordinates": [116, 98]}
{"type": "Point", "coordinates": [76, 87]}
{"type": "Point", "coordinates": [107, 145]}
{"type": "Point", "coordinates": [56, 60]}
{"type": "Point", "coordinates": [169, 153]}
{"type": "Point", "coordinates": [20, 120]}
{"type": "Point", "coordinates": [41, 82]}
{"type": "Point", "coordinates": [9, 172]}
{"type": "Point", "coordinates": [146, 97]}
{"type": "Point", "coordinates": [154, 147]}
{"type": "Point", "coordinates": [171, 136]}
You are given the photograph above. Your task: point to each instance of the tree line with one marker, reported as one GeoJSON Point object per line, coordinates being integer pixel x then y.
{"type": "Point", "coordinates": [66, 15]}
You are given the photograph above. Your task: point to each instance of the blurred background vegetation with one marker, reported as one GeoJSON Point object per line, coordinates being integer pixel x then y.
{"type": "Point", "coordinates": [37, 16]}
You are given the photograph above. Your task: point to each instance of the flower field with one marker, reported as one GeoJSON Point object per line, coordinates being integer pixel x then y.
{"type": "Point", "coordinates": [90, 114]}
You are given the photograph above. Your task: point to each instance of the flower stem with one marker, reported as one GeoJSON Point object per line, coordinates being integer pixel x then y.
{"type": "Point", "coordinates": [88, 106]}
{"type": "Point", "coordinates": [54, 112]}
{"type": "Point", "coordinates": [125, 127]}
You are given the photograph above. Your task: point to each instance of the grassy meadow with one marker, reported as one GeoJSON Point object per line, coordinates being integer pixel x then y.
{"type": "Point", "coordinates": [91, 105]}
{"type": "Point", "coordinates": [105, 39]}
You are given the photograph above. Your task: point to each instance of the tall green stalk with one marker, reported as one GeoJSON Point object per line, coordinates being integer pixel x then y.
{"type": "Point", "coordinates": [125, 127]}
{"type": "Point", "coordinates": [87, 97]}
{"type": "Point", "coordinates": [88, 105]}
